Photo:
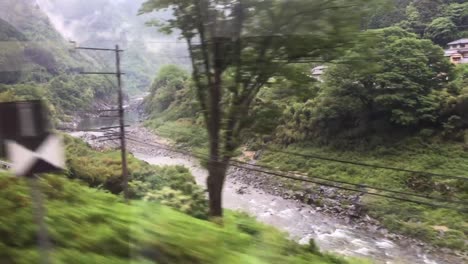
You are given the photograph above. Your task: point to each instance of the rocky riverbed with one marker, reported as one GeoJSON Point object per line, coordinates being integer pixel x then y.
{"type": "Point", "coordinates": [334, 220]}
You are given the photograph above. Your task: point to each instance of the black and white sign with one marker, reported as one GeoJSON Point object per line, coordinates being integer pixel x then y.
{"type": "Point", "coordinates": [26, 141]}
{"type": "Point", "coordinates": [47, 157]}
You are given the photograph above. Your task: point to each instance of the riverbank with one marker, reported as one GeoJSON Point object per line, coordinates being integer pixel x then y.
{"type": "Point", "coordinates": [331, 226]}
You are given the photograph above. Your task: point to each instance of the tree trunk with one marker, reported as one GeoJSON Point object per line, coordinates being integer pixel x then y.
{"type": "Point", "coordinates": [215, 183]}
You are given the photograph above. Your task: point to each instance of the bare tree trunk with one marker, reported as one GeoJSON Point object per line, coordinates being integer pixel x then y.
{"type": "Point", "coordinates": [215, 183]}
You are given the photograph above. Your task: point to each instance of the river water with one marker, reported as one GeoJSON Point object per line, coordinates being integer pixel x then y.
{"type": "Point", "coordinates": [302, 222]}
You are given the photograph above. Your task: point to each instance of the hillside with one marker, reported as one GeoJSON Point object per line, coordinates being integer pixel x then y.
{"type": "Point", "coordinates": [37, 63]}
{"type": "Point", "coordinates": [105, 23]}
{"type": "Point", "coordinates": [97, 227]}
{"type": "Point", "coordinates": [442, 21]}
{"type": "Point", "coordinates": [91, 225]}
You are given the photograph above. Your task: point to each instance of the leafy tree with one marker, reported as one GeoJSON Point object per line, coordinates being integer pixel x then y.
{"type": "Point", "coordinates": [441, 31]}
{"type": "Point", "coordinates": [167, 83]}
{"type": "Point", "coordinates": [458, 13]}
{"type": "Point", "coordinates": [429, 9]}
{"type": "Point", "coordinates": [403, 86]}
{"type": "Point", "coordinates": [413, 20]}
{"type": "Point", "coordinates": [236, 46]}
{"type": "Point", "coordinates": [389, 14]}
{"type": "Point", "coordinates": [438, 20]}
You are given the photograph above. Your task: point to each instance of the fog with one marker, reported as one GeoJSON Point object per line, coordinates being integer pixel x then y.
{"type": "Point", "coordinates": [107, 22]}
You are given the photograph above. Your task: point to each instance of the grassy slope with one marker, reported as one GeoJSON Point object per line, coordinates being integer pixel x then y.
{"type": "Point", "coordinates": [416, 220]}
{"type": "Point", "coordinates": [90, 226]}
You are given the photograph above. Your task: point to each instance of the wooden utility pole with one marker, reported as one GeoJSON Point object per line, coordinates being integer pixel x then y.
{"type": "Point", "coordinates": [118, 73]}
{"type": "Point", "coordinates": [39, 213]}
{"type": "Point", "coordinates": [123, 147]}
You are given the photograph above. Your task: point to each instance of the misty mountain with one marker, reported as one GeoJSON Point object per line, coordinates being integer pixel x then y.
{"type": "Point", "coordinates": [36, 62]}
{"type": "Point", "coordinates": [105, 23]}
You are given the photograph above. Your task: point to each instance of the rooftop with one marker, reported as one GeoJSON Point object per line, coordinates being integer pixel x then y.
{"type": "Point", "coordinates": [460, 41]}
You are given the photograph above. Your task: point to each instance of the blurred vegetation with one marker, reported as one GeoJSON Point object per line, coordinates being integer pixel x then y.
{"type": "Point", "coordinates": [91, 226]}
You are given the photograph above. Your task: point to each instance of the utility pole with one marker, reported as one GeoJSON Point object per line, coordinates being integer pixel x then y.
{"type": "Point", "coordinates": [123, 147]}
{"type": "Point", "coordinates": [39, 214]}
{"type": "Point", "coordinates": [121, 113]}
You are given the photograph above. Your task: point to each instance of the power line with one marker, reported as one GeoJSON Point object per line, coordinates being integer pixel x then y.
{"type": "Point", "coordinates": [312, 156]}
{"type": "Point", "coordinates": [354, 190]}
{"type": "Point", "coordinates": [355, 184]}
{"type": "Point", "coordinates": [438, 199]}
{"type": "Point", "coordinates": [204, 157]}
{"type": "Point", "coordinates": [118, 73]}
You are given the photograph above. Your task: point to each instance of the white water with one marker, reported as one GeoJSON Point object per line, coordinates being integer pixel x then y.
{"type": "Point", "coordinates": [303, 222]}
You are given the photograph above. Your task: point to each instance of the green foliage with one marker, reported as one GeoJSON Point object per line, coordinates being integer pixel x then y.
{"type": "Point", "coordinates": [173, 110]}
{"type": "Point", "coordinates": [184, 132]}
{"type": "Point", "coordinates": [90, 226]}
{"type": "Point", "coordinates": [194, 206]}
{"type": "Point", "coordinates": [458, 13]}
{"type": "Point", "coordinates": [441, 31]}
{"type": "Point", "coordinates": [404, 90]}
{"type": "Point", "coordinates": [412, 153]}
{"type": "Point", "coordinates": [388, 87]}
{"type": "Point", "coordinates": [103, 170]}
{"type": "Point", "coordinates": [166, 89]}
{"type": "Point", "coordinates": [439, 20]}
{"type": "Point", "coordinates": [229, 70]}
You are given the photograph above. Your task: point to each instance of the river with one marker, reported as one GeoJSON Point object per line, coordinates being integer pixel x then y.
{"type": "Point", "coordinates": [302, 222]}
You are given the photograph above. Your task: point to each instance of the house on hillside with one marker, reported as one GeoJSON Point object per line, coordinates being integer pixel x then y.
{"type": "Point", "coordinates": [457, 51]}
{"type": "Point", "coordinates": [318, 71]}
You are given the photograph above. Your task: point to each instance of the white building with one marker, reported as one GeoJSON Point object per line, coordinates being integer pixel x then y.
{"type": "Point", "coordinates": [458, 51]}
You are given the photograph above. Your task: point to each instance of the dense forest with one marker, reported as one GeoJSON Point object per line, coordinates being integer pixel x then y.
{"type": "Point", "coordinates": [439, 20]}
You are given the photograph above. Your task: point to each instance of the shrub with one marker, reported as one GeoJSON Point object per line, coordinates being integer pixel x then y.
{"type": "Point", "coordinates": [102, 170]}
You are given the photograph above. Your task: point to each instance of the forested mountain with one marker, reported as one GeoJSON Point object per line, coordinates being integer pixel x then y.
{"type": "Point", "coordinates": [36, 62]}
{"type": "Point", "coordinates": [439, 20]}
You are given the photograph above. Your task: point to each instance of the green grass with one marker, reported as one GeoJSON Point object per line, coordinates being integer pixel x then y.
{"type": "Point", "coordinates": [87, 225]}
{"type": "Point", "coordinates": [411, 219]}
{"type": "Point", "coordinates": [184, 132]}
